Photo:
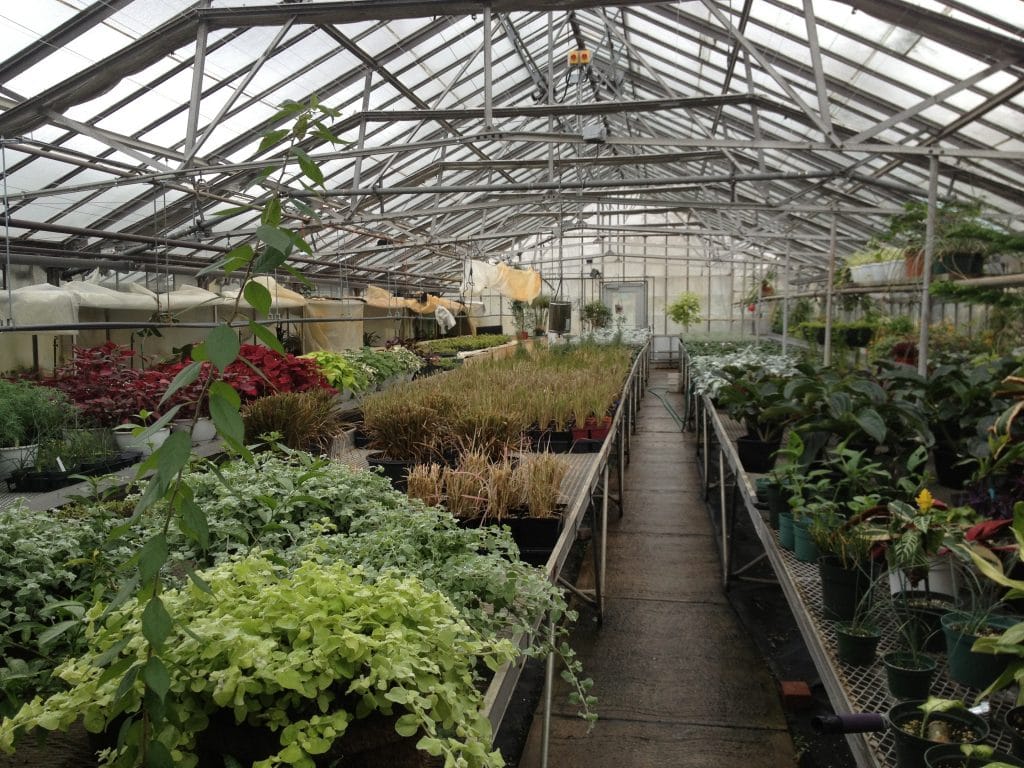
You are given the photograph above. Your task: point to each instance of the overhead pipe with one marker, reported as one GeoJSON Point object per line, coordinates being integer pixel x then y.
{"type": "Point", "coordinates": [175, 243]}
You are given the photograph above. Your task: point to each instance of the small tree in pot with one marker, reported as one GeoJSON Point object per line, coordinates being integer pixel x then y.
{"type": "Point", "coordinates": [685, 310]}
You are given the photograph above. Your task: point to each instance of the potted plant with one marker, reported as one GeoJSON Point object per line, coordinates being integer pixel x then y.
{"type": "Point", "coordinates": [539, 313]}
{"type": "Point", "coordinates": [877, 265]}
{"type": "Point", "coordinates": [918, 725]}
{"type": "Point", "coordinates": [596, 314]}
{"type": "Point", "coordinates": [29, 414]}
{"type": "Point", "coordinates": [757, 400]}
{"type": "Point", "coordinates": [845, 561]}
{"type": "Point", "coordinates": [518, 309]}
{"type": "Point", "coordinates": [857, 638]}
{"type": "Point", "coordinates": [685, 310]}
{"type": "Point", "coordinates": [968, 756]}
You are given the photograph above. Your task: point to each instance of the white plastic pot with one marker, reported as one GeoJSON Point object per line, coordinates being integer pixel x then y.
{"type": "Point", "coordinates": [126, 441]}
{"type": "Point", "coordinates": [202, 432]}
{"type": "Point", "coordinates": [13, 459]}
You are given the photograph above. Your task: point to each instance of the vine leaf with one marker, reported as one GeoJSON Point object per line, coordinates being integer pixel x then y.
{"type": "Point", "coordinates": [258, 297]}
{"type": "Point", "coordinates": [156, 624]}
{"type": "Point", "coordinates": [222, 346]}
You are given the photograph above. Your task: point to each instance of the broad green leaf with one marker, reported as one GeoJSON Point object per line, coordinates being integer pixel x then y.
{"type": "Point", "coordinates": [871, 422]}
{"type": "Point", "coordinates": [222, 346]}
{"type": "Point", "coordinates": [272, 212]}
{"type": "Point", "coordinates": [173, 455]}
{"type": "Point", "coordinates": [111, 653]}
{"type": "Point", "coordinates": [128, 680]}
{"type": "Point", "coordinates": [267, 336]}
{"type": "Point", "coordinates": [324, 134]}
{"type": "Point", "coordinates": [228, 421]}
{"type": "Point", "coordinates": [329, 111]}
{"type": "Point", "coordinates": [158, 756]}
{"type": "Point", "coordinates": [156, 622]}
{"type": "Point", "coordinates": [116, 669]}
{"type": "Point", "coordinates": [258, 297]}
{"type": "Point", "coordinates": [299, 129]}
{"type": "Point", "coordinates": [276, 237]}
{"type": "Point", "coordinates": [288, 109]}
{"type": "Point", "coordinates": [271, 138]}
{"type": "Point", "coordinates": [152, 556]}
{"type": "Point", "coordinates": [224, 390]}
{"type": "Point", "coordinates": [297, 275]}
{"type": "Point", "coordinates": [268, 261]}
{"type": "Point", "coordinates": [300, 242]}
{"type": "Point", "coordinates": [302, 207]}
{"type": "Point", "coordinates": [155, 676]}
{"type": "Point", "coordinates": [51, 634]}
{"type": "Point", "coordinates": [407, 725]}
{"type": "Point", "coordinates": [193, 523]}
{"type": "Point", "coordinates": [200, 582]}
{"type": "Point", "coordinates": [309, 168]}
{"type": "Point", "coordinates": [185, 376]}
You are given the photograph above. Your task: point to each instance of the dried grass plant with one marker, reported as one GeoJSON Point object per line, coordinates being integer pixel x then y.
{"type": "Point", "coordinates": [540, 480]}
{"type": "Point", "coordinates": [426, 483]}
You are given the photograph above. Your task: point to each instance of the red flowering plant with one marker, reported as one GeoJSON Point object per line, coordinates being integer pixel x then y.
{"type": "Point", "coordinates": [105, 387]}
{"type": "Point", "coordinates": [258, 371]}
{"type": "Point", "coordinates": [261, 371]}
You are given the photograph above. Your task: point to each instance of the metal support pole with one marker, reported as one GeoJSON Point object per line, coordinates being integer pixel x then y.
{"type": "Point", "coordinates": [549, 682]}
{"type": "Point", "coordinates": [707, 448]}
{"type": "Point", "coordinates": [488, 84]}
{"type": "Point", "coordinates": [724, 515]}
{"type": "Point", "coordinates": [828, 290]}
{"type": "Point", "coordinates": [198, 67]}
{"type": "Point", "coordinates": [785, 301]}
{"type": "Point", "coordinates": [929, 255]}
{"type": "Point", "coordinates": [599, 576]}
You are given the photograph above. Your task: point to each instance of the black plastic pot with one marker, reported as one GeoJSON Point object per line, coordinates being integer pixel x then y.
{"type": "Point", "coordinates": [841, 588]}
{"type": "Point", "coordinates": [910, 748]}
{"type": "Point", "coordinates": [857, 338]}
{"type": "Point", "coordinates": [397, 471]}
{"type": "Point", "coordinates": [909, 676]}
{"type": "Point", "coordinates": [857, 647]}
{"type": "Point", "coordinates": [920, 612]}
{"type": "Point", "coordinates": [756, 455]}
{"type": "Point", "coordinates": [1013, 724]}
{"type": "Point", "coordinates": [961, 264]}
{"type": "Point", "coordinates": [950, 756]}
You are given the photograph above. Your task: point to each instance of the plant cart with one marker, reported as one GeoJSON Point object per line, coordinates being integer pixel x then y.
{"type": "Point", "coordinates": [851, 689]}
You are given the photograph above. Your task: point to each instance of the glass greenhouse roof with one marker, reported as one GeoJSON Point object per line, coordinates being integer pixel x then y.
{"type": "Point", "coordinates": [127, 125]}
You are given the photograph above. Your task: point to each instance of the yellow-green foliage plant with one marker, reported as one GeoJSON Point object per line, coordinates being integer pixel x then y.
{"type": "Point", "coordinates": [301, 654]}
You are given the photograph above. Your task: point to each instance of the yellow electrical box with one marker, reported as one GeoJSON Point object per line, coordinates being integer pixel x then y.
{"type": "Point", "coordinates": [579, 57]}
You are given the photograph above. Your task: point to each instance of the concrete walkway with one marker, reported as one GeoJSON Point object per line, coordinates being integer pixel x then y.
{"type": "Point", "coordinates": [678, 681]}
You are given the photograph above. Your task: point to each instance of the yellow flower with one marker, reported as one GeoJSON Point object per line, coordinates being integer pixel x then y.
{"type": "Point", "coordinates": [925, 500]}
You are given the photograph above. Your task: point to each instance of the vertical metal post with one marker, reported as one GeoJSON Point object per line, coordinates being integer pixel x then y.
{"type": "Point", "coordinates": [929, 255]}
{"type": "Point", "coordinates": [488, 84]}
{"type": "Point", "coordinates": [549, 682]}
{"type": "Point", "coordinates": [725, 517]}
{"type": "Point", "coordinates": [599, 576]}
{"type": "Point", "coordinates": [785, 300]}
{"type": "Point", "coordinates": [828, 290]}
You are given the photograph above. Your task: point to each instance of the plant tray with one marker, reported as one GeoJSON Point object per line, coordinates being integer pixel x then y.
{"type": "Point", "coordinates": [32, 481]}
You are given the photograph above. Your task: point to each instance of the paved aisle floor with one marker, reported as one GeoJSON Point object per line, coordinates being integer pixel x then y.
{"type": "Point", "coordinates": [678, 681]}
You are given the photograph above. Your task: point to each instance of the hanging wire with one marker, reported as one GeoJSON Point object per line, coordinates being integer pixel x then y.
{"type": "Point", "coordinates": [7, 235]}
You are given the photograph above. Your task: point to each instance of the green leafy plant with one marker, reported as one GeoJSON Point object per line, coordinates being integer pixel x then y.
{"type": "Point", "coordinates": [30, 413]}
{"type": "Point", "coordinates": [596, 313]}
{"type": "Point", "coordinates": [327, 649]}
{"type": "Point", "coordinates": [685, 310]}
